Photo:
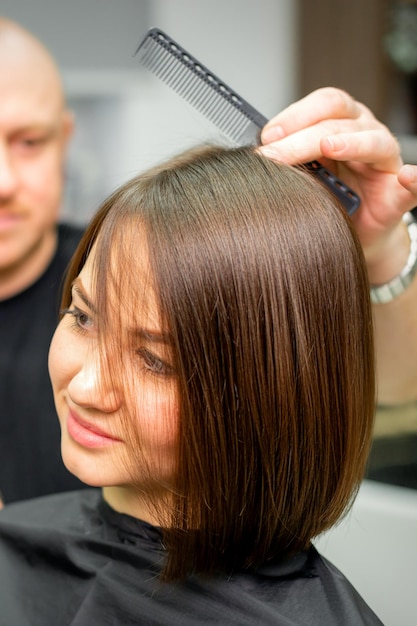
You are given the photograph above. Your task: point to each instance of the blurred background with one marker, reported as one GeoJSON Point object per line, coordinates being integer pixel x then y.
{"type": "Point", "coordinates": [271, 52]}
{"type": "Point", "coordinates": [126, 118]}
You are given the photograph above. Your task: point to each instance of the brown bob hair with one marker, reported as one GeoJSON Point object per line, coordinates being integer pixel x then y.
{"type": "Point", "coordinates": [262, 285]}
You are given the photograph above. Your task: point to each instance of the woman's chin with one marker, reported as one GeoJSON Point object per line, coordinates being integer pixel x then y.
{"type": "Point", "coordinates": [91, 476]}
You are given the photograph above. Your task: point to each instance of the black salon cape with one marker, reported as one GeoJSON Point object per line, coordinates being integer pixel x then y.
{"type": "Point", "coordinates": [70, 559]}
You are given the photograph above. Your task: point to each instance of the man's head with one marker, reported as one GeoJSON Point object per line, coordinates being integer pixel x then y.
{"type": "Point", "coordinates": [34, 128]}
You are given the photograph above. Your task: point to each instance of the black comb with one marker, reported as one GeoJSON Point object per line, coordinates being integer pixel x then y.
{"type": "Point", "coordinates": [230, 113]}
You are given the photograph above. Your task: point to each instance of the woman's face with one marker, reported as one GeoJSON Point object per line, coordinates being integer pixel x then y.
{"type": "Point", "coordinates": [96, 444]}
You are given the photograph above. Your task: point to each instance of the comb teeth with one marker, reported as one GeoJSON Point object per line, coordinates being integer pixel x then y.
{"type": "Point", "coordinates": [200, 87]}
{"type": "Point", "coordinates": [233, 115]}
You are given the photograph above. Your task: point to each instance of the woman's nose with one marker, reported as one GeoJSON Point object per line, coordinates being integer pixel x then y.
{"type": "Point", "coordinates": [92, 386]}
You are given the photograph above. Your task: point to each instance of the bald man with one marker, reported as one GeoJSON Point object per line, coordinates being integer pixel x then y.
{"type": "Point", "coordinates": [35, 127]}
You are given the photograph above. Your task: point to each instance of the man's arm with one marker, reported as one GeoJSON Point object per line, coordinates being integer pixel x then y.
{"type": "Point", "coordinates": [344, 135]}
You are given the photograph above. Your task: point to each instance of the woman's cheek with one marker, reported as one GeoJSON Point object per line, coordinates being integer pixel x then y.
{"type": "Point", "coordinates": [60, 354]}
{"type": "Point", "coordinates": [158, 416]}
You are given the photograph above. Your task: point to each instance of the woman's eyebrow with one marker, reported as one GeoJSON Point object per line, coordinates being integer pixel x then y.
{"type": "Point", "coordinates": [78, 288]}
{"type": "Point", "coordinates": [145, 334]}
{"type": "Point", "coordinates": [151, 336]}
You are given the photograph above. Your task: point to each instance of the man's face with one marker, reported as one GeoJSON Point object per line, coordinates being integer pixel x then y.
{"type": "Point", "coordinates": [33, 133]}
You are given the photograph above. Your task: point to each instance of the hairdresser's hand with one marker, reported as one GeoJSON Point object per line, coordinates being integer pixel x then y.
{"type": "Point", "coordinates": [345, 136]}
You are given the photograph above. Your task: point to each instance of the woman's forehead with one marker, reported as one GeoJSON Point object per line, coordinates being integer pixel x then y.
{"type": "Point", "coordinates": [124, 273]}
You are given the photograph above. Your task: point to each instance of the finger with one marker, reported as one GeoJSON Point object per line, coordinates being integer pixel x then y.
{"type": "Point", "coordinates": [407, 177]}
{"type": "Point", "coordinates": [322, 104]}
{"type": "Point", "coordinates": [377, 148]}
{"type": "Point", "coordinates": [305, 145]}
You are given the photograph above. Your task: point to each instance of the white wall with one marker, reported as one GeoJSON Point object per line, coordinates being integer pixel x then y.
{"type": "Point", "coordinates": [376, 548]}
{"type": "Point", "coordinates": [249, 45]}
{"type": "Point", "coordinates": [84, 33]}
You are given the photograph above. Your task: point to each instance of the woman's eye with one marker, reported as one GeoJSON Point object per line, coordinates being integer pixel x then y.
{"type": "Point", "coordinates": [154, 364]}
{"type": "Point", "coordinates": [81, 320]}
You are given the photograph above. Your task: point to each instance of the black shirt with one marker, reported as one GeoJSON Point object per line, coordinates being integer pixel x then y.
{"type": "Point", "coordinates": [71, 560]}
{"type": "Point", "coordinates": [30, 459]}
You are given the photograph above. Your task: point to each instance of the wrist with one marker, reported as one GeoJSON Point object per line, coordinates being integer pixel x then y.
{"type": "Point", "coordinates": [386, 259]}
{"type": "Point", "coordinates": [393, 274]}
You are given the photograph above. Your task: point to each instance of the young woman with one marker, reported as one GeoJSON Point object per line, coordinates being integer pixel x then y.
{"type": "Point", "coordinates": [213, 373]}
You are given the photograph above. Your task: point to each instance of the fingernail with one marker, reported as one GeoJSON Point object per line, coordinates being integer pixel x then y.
{"type": "Point", "coordinates": [273, 133]}
{"type": "Point", "coordinates": [411, 172]}
{"type": "Point", "coordinates": [336, 143]}
{"type": "Point", "coordinates": [269, 153]}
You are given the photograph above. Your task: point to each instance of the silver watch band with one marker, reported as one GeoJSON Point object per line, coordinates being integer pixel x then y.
{"type": "Point", "coordinates": [381, 294]}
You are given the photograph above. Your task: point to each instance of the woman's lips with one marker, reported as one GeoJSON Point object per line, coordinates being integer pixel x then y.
{"type": "Point", "coordinates": [86, 434]}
